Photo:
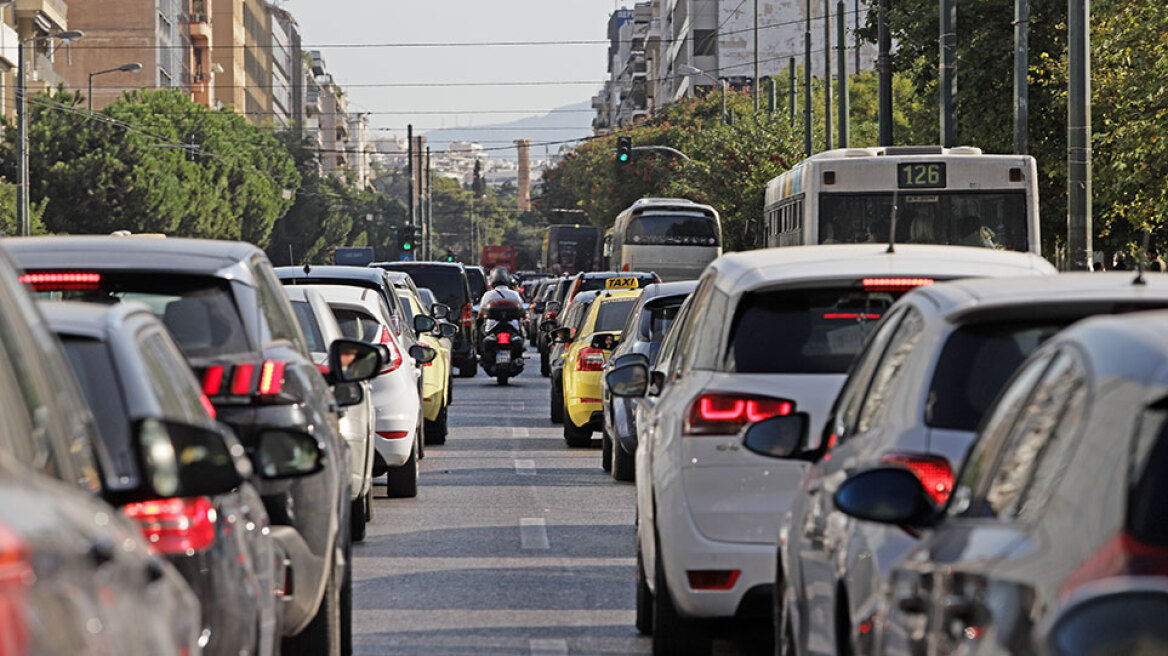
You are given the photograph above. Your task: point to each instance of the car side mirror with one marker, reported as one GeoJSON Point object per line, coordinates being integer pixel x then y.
{"type": "Point", "coordinates": [539, 306]}
{"type": "Point", "coordinates": [447, 329]}
{"type": "Point", "coordinates": [181, 460]}
{"type": "Point", "coordinates": [628, 358]}
{"type": "Point", "coordinates": [886, 495]}
{"type": "Point", "coordinates": [440, 311]}
{"type": "Point", "coordinates": [783, 436]}
{"type": "Point", "coordinates": [422, 354]}
{"type": "Point", "coordinates": [352, 361]}
{"type": "Point", "coordinates": [348, 394]}
{"type": "Point", "coordinates": [553, 307]}
{"type": "Point", "coordinates": [424, 324]}
{"type": "Point", "coordinates": [629, 380]}
{"type": "Point", "coordinates": [605, 341]}
{"type": "Point", "coordinates": [283, 454]}
{"type": "Point", "coordinates": [561, 335]}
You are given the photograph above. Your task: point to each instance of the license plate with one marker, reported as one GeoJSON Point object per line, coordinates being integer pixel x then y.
{"type": "Point", "coordinates": [621, 283]}
{"type": "Point", "coordinates": [502, 357]}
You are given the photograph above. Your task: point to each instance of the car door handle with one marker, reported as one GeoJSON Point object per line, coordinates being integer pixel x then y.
{"type": "Point", "coordinates": [911, 604]}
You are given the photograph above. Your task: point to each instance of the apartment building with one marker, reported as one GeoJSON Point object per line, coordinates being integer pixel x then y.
{"type": "Point", "coordinates": [9, 40]}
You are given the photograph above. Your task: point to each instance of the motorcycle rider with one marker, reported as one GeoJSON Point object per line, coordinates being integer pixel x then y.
{"type": "Point", "coordinates": [500, 291]}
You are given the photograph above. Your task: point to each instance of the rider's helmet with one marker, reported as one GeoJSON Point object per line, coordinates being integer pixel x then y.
{"type": "Point", "coordinates": [499, 277]}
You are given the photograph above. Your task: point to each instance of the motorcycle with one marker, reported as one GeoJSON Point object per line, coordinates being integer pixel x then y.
{"type": "Point", "coordinates": [503, 346]}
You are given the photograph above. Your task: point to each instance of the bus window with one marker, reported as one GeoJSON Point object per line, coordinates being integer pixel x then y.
{"type": "Point", "coordinates": [989, 220]}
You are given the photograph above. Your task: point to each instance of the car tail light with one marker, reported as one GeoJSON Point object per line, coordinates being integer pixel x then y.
{"type": "Point", "coordinates": [62, 280]}
{"type": "Point", "coordinates": [504, 338]}
{"type": "Point", "coordinates": [208, 406]}
{"type": "Point", "coordinates": [712, 579]}
{"type": "Point", "coordinates": [175, 526]}
{"type": "Point", "coordinates": [625, 268]}
{"type": "Point", "coordinates": [1122, 555]}
{"type": "Point", "coordinates": [591, 359]}
{"type": "Point", "coordinates": [895, 284]}
{"type": "Point", "coordinates": [934, 472]}
{"type": "Point", "coordinates": [16, 575]}
{"type": "Point", "coordinates": [850, 315]}
{"type": "Point", "coordinates": [323, 369]}
{"type": "Point", "coordinates": [241, 379]}
{"type": "Point", "coordinates": [394, 352]}
{"type": "Point", "coordinates": [726, 414]}
{"type": "Point", "coordinates": [467, 315]}
{"type": "Point", "coordinates": [213, 379]}
{"type": "Point", "coordinates": [271, 377]}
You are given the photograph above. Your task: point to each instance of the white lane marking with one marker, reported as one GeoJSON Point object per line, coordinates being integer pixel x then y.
{"type": "Point", "coordinates": [525, 467]}
{"type": "Point", "coordinates": [520, 432]}
{"type": "Point", "coordinates": [548, 647]}
{"type": "Point", "coordinates": [533, 533]}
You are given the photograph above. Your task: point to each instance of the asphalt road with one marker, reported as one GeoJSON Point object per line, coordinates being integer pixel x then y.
{"type": "Point", "coordinates": [516, 544]}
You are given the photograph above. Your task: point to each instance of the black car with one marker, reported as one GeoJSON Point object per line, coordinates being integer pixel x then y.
{"type": "Point", "coordinates": [135, 379]}
{"type": "Point", "coordinates": [449, 283]}
{"type": "Point", "coordinates": [558, 295]}
{"type": "Point", "coordinates": [223, 305]}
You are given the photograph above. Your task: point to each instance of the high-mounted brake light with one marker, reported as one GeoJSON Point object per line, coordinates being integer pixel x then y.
{"type": "Point", "coordinates": [591, 359]}
{"type": "Point", "coordinates": [934, 472]}
{"type": "Point", "coordinates": [175, 526]}
{"type": "Point", "coordinates": [895, 284]}
{"type": "Point", "coordinates": [241, 379]}
{"type": "Point", "coordinates": [271, 377]}
{"type": "Point", "coordinates": [850, 315]}
{"type": "Point", "coordinates": [62, 280]}
{"type": "Point", "coordinates": [726, 414]}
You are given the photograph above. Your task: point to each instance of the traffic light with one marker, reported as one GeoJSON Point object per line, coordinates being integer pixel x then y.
{"type": "Point", "coordinates": [449, 256]}
{"type": "Point", "coordinates": [406, 239]}
{"type": "Point", "coordinates": [624, 150]}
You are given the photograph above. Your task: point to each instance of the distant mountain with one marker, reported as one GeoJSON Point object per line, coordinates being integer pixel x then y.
{"type": "Point", "coordinates": [535, 128]}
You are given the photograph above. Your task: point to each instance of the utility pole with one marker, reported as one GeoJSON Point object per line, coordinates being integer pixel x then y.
{"type": "Point", "coordinates": [948, 73]}
{"type": "Point", "coordinates": [884, 65]}
{"type": "Point", "coordinates": [857, 35]}
{"type": "Point", "coordinates": [773, 94]}
{"type": "Point", "coordinates": [410, 173]}
{"type": "Point", "coordinates": [1079, 134]}
{"type": "Point", "coordinates": [1021, 73]}
{"type": "Point", "coordinates": [844, 101]}
{"type": "Point", "coordinates": [757, 81]}
{"type": "Point", "coordinates": [807, 112]}
{"type": "Point", "coordinates": [428, 239]}
{"type": "Point", "coordinates": [827, 74]}
{"type": "Point", "coordinates": [791, 95]}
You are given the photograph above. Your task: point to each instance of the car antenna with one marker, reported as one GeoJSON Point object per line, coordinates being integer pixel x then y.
{"type": "Point", "coordinates": [1140, 260]}
{"type": "Point", "coordinates": [892, 228]}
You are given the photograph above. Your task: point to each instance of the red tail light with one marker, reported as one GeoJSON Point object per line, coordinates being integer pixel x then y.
{"type": "Point", "coordinates": [625, 268]}
{"type": "Point", "coordinates": [467, 315]}
{"type": "Point", "coordinates": [393, 435]}
{"type": "Point", "coordinates": [271, 377]}
{"type": "Point", "coordinates": [726, 414]}
{"type": "Point", "coordinates": [1122, 555]}
{"type": "Point", "coordinates": [16, 575]}
{"type": "Point", "coordinates": [394, 352]}
{"type": "Point", "coordinates": [211, 412]}
{"type": "Point", "coordinates": [712, 579]}
{"type": "Point", "coordinates": [850, 315]}
{"type": "Point", "coordinates": [504, 338]}
{"type": "Point", "coordinates": [934, 472]}
{"type": "Point", "coordinates": [895, 284]}
{"type": "Point", "coordinates": [241, 379]}
{"type": "Point", "coordinates": [323, 369]}
{"type": "Point", "coordinates": [590, 359]}
{"type": "Point", "coordinates": [213, 379]}
{"type": "Point", "coordinates": [62, 280]}
{"type": "Point", "coordinates": [175, 526]}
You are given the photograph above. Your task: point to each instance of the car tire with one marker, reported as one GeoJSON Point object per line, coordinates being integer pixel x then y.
{"type": "Point", "coordinates": [450, 389]}
{"type": "Point", "coordinates": [545, 366]}
{"type": "Point", "coordinates": [557, 407]}
{"type": "Point", "coordinates": [672, 633]}
{"type": "Point", "coordinates": [323, 634]}
{"type": "Point", "coordinates": [402, 482]}
{"type": "Point", "coordinates": [468, 368]}
{"type": "Point", "coordinates": [575, 436]}
{"type": "Point", "coordinates": [436, 430]}
{"type": "Point", "coordinates": [644, 597]}
{"type": "Point", "coordinates": [624, 464]}
{"type": "Point", "coordinates": [369, 504]}
{"type": "Point", "coordinates": [357, 519]}
{"type": "Point", "coordinates": [605, 452]}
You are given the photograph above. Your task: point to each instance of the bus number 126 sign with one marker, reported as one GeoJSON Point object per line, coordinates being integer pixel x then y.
{"type": "Point", "coordinates": [920, 175]}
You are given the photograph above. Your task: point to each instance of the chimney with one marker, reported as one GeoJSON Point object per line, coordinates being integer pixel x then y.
{"type": "Point", "coordinates": [524, 147]}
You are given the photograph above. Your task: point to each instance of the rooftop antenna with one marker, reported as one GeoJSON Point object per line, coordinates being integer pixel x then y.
{"type": "Point", "coordinates": [1140, 259]}
{"type": "Point", "coordinates": [892, 228]}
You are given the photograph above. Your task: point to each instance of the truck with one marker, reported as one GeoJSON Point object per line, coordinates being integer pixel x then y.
{"type": "Point", "coordinates": [500, 256]}
{"type": "Point", "coordinates": [354, 256]}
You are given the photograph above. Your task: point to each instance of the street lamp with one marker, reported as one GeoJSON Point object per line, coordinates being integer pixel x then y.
{"type": "Point", "coordinates": [686, 69]}
{"type": "Point", "coordinates": [124, 68]}
{"type": "Point", "coordinates": [22, 125]}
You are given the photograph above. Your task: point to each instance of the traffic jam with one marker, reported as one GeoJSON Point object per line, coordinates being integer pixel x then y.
{"type": "Point", "coordinates": [917, 439]}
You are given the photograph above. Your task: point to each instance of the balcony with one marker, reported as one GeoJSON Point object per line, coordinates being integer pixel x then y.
{"type": "Point", "coordinates": [199, 27]}
{"type": "Point", "coordinates": [49, 15]}
{"type": "Point", "coordinates": [9, 42]}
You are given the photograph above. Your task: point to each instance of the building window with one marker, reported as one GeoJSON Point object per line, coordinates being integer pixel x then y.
{"type": "Point", "coordinates": [705, 43]}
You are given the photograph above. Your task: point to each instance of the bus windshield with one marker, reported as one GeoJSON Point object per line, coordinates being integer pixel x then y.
{"type": "Point", "coordinates": [672, 230]}
{"type": "Point", "coordinates": [971, 218]}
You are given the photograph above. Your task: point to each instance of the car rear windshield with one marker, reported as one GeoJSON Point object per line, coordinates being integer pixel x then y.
{"type": "Point", "coordinates": [477, 282]}
{"type": "Point", "coordinates": [802, 331]}
{"type": "Point", "coordinates": [612, 315]}
{"type": "Point", "coordinates": [94, 368]}
{"type": "Point", "coordinates": [356, 324]}
{"type": "Point", "coordinates": [974, 365]}
{"type": "Point", "coordinates": [200, 312]}
{"type": "Point", "coordinates": [307, 323]}
{"type": "Point", "coordinates": [446, 283]}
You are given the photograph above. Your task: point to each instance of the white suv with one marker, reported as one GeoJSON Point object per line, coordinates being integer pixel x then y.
{"type": "Point", "coordinates": [765, 333]}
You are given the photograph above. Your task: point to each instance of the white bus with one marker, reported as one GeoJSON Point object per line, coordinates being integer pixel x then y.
{"type": "Point", "coordinates": [942, 196]}
{"type": "Point", "coordinates": [672, 237]}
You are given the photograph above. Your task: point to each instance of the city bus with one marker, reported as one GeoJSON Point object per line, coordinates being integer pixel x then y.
{"type": "Point", "coordinates": [953, 196]}
{"type": "Point", "coordinates": [571, 249]}
{"type": "Point", "coordinates": [672, 237]}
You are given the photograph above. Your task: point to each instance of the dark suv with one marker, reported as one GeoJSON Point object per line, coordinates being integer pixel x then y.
{"type": "Point", "coordinates": [223, 305]}
{"type": "Point", "coordinates": [449, 283]}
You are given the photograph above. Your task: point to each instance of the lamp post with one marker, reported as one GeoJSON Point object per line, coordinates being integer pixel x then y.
{"type": "Point", "coordinates": [686, 69]}
{"type": "Point", "coordinates": [132, 67]}
{"type": "Point", "coordinates": [22, 126]}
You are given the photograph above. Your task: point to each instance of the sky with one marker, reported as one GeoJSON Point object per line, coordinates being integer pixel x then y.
{"type": "Point", "coordinates": [342, 28]}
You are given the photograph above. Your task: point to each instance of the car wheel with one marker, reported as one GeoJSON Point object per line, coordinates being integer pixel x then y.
{"type": "Point", "coordinates": [323, 634]}
{"type": "Point", "coordinates": [624, 464]}
{"type": "Point", "coordinates": [557, 413]}
{"type": "Point", "coordinates": [545, 367]}
{"type": "Point", "coordinates": [436, 430]}
{"type": "Point", "coordinates": [576, 437]}
{"type": "Point", "coordinates": [672, 633]}
{"type": "Point", "coordinates": [402, 482]}
{"type": "Point", "coordinates": [468, 368]}
{"type": "Point", "coordinates": [450, 389]}
{"type": "Point", "coordinates": [605, 452]}
{"type": "Point", "coordinates": [644, 597]}
{"type": "Point", "coordinates": [369, 504]}
{"type": "Point", "coordinates": [357, 519]}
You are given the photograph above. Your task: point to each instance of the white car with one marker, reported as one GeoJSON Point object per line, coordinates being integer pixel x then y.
{"type": "Point", "coordinates": [321, 329]}
{"type": "Point", "coordinates": [397, 399]}
{"type": "Point", "coordinates": [766, 332]}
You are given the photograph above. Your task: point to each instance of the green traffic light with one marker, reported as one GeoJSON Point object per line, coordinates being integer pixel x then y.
{"type": "Point", "coordinates": [407, 246]}
{"type": "Point", "coordinates": [624, 157]}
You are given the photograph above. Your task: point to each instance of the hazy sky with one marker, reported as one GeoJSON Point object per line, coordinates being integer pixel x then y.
{"type": "Point", "coordinates": [325, 23]}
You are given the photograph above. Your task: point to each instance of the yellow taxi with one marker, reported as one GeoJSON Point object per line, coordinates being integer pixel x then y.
{"type": "Point", "coordinates": [435, 376]}
{"type": "Point", "coordinates": [584, 360]}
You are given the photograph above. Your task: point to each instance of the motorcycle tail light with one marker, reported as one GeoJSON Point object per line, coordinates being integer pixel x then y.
{"type": "Point", "coordinates": [175, 526]}
{"type": "Point", "coordinates": [934, 472]}
{"type": "Point", "coordinates": [504, 338]}
{"type": "Point", "coordinates": [726, 414]}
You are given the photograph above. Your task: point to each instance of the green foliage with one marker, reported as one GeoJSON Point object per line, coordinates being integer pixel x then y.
{"type": "Point", "coordinates": [8, 224]}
